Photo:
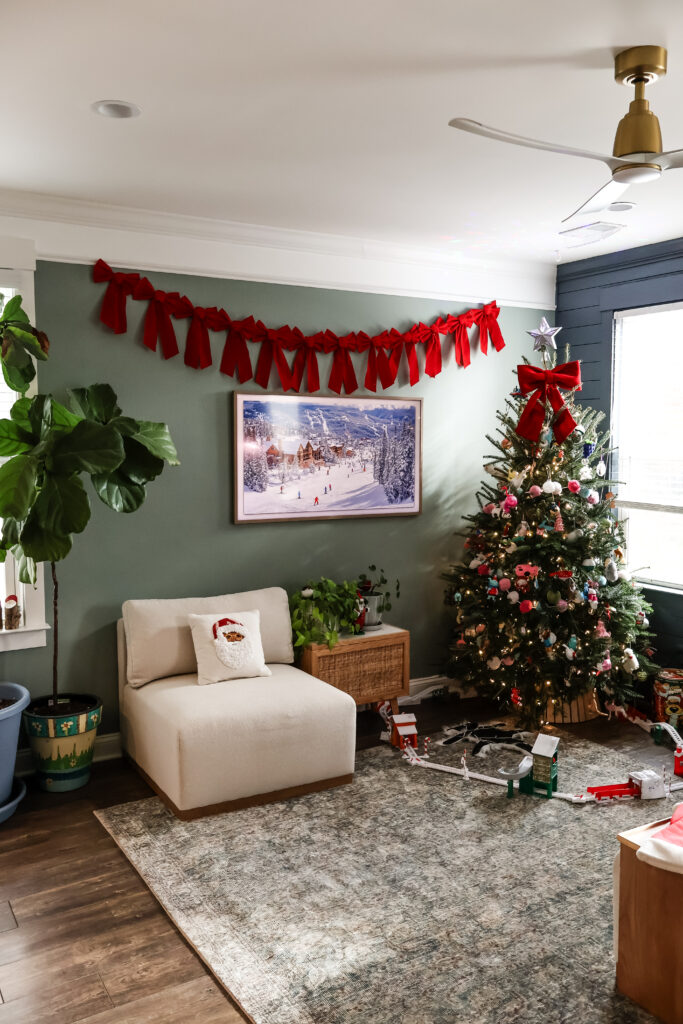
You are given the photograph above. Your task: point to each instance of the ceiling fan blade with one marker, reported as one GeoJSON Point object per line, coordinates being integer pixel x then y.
{"type": "Point", "coordinates": [464, 124]}
{"type": "Point", "coordinates": [609, 193]}
{"type": "Point", "coordinates": [672, 159]}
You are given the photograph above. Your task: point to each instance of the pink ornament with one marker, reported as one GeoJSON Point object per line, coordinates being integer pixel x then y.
{"type": "Point", "coordinates": [509, 660]}
{"type": "Point", "coordinates": [535, 491]}
{"type": "Point", "coordinates": [479, 628]}
{"type": "Point", "coordinates": [510, 502]}
{"type": "Point", "coordinates": [488, 508]}
{"type": "Point", "coordinates": [574, 486]}
{"type": "Point", "coordinates": [562, 605]}
{"type": "Point", "coordinates": [504, 584]}
{"type": "Point", "coordinates": [607, 663]}
{"type": "Point", "coordinates": [526, 606]}
{"type": "Point", "coordinates": [593, 498]}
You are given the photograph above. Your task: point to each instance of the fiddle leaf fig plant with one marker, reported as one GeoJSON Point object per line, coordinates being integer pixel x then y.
{"type": "Point", "coordinates": [19, 341]}
{"type": "Point", "coordinates": [52, 449]}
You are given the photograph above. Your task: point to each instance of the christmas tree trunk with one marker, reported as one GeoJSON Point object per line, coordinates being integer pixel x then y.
{"type": "Point", "coordinates": [545, 608]}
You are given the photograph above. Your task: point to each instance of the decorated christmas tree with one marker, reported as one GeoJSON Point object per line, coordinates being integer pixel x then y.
{"type": "Point", "coordinates": [545, 608]}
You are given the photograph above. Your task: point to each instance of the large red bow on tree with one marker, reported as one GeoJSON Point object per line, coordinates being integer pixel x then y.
{"type": "Point", "coordinates": [544, 386]}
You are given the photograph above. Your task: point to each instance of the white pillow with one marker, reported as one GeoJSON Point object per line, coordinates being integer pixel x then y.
{"type": "Point", "coordinates": [228, 646]}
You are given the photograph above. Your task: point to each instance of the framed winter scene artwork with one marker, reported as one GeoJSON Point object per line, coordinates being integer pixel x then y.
{"type": "Point", "coordinates": [302, 457]}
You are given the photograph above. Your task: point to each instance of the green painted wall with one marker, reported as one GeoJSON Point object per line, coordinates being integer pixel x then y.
{"type": "Point", "coordinates": [182, 542]}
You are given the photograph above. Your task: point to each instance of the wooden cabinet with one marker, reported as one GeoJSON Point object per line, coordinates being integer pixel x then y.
{"type": "Point", "coordinates": [649, 949]}
{"type": "Point", "coordinates": [372, 667]}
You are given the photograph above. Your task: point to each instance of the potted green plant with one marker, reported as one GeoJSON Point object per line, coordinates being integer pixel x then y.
{"type": "Point", "coordinates": [376, 596]}
{"type": "Point", "coordinates": [323, 609]}
{"type": "Point", "coordinates": [43, 502]}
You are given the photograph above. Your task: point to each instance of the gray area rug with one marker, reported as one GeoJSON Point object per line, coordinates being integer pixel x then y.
{"type": "Point", "coordinates": [409, 896]}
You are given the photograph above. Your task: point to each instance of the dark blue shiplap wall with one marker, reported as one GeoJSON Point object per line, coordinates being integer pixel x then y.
{"type": "Point", "coordinates": [588, 293]}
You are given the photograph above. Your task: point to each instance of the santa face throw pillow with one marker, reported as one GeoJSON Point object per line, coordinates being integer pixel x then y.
{"type": "Point", "coordinates": [228, 646]}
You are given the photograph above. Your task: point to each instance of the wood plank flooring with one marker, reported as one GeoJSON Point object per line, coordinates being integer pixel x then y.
{"type": "Point", "coordinates": [81, 937]}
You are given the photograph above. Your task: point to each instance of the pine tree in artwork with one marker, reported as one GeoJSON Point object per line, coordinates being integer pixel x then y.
{"type": "Point", "coordinates": [545, 608]}
{"type": "Point", "coordinates": [255, 469]}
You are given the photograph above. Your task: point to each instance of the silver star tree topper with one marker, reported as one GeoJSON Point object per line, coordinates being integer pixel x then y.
{"type": "Point", "coordinates": [544, 335]}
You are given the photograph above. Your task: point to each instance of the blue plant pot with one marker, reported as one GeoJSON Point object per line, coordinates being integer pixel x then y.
{"type": "Point", "coordinates": [10, 720]}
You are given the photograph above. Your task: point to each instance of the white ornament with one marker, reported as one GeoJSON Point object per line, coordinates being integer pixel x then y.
{"type": "Point", "coordinates": [513, 596]}
{"type": "Point", "coordinates": [476, 562]}
{"type": "Point", "coordinates": [569, 653]}
{"type": "Point", "coordinates": [552, 487]}
{"type": "Point", "coordinates": [601, 468]}
{"type": "Point", "coordinates": [518, 480]}
{"type": "Point", "coordinates": [521, 530]}
{"type": "Point", "coordinates": [575, 535]}
{"type": "Point", "coordinates": [585, 473]}
{"type": "Point", "coordinates": [494, 663]}
{"type": "Point", "coordinates": [611, 571]}
{"type": "Point", "coordinates": [630, 662]}
{"type": "Point", "coordinates": [588, 561]}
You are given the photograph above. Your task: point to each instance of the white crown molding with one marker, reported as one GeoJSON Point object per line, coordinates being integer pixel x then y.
{"type": "Point", "coordinates": [75, 231]}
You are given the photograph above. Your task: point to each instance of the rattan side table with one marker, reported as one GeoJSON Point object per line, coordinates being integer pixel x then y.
{"type": "Point", "coordinates": [372, 667]}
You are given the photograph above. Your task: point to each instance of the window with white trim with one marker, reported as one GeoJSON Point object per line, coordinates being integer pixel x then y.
{"type": "Point", "coordinates": [32, 626]}
{"type": "Point", "coordinates": [647, 433]}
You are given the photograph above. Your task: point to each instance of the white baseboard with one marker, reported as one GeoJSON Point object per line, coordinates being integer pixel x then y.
{"type": "Point", "coordinates": [107, 747]}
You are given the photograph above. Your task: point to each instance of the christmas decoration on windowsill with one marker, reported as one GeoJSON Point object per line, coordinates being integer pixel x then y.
{"type": "Point", "coordinates": [383, 351]}
{"type": "Point", "coordinates": [545, 610]}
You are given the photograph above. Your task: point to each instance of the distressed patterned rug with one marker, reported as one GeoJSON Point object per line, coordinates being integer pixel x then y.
{"type": "Point", "coordinates": [409, 896]}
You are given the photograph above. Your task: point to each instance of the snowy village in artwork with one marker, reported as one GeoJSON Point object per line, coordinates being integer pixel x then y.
{"type": "Point", "coordinates": [309, 458]}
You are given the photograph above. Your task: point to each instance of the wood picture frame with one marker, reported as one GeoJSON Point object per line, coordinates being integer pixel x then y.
{"type": "Point", "coordinates": [303, 458]}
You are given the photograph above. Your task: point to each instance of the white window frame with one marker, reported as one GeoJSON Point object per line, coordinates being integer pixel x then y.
{"type": "Point", "coordinates": [33, 632]}
{"type": "Point", "coordinates": [624, 505]}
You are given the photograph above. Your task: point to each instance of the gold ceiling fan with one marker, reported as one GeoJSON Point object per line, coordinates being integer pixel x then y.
{"type": "Point", "coordinates": [637, 154]}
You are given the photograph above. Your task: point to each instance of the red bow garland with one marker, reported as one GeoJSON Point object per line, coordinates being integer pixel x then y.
{"type": "Point", "coordinates": [384, 350]}
{"type": "Point", "coordinates": [544, 387]}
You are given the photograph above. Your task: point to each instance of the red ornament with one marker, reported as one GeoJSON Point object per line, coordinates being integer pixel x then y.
{"type": "Point", "coordinates": [526, 606]}
{"type": "Point", "coordinates": [483, 570]}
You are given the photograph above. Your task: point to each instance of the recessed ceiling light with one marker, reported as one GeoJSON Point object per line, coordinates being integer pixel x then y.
{"type": "Point", "coordinates": [116, 108]}
{"type": "Point", "coordinates": [621, 206]}
{"type": "Point", "coordinates": [586, 234]}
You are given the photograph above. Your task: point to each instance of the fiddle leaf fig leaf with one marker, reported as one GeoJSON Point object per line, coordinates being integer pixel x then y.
{"type": "Point", "coordinates": [28, 340]}
{"type": "Point", "coordinates": [17, 487]}
{"type": "Point", "coordinates": [13, 311]}
{"type": "Point", "coordinates": [118, 491]}
{"type": "Point", "coordinates": [13, 439]}
{"type": "Point", "coordinates": [98, 402]}
{"type": "Point", "coordinates": [156, 438]}
{"type": "Point", "coordinates": [62, 507]}
{"type": "Point", "coordinates": [26, 566]}
{"type": "Point", "coordinates": [89, 447]}
{"type": "Point", "coordinates": [139, 465]}
{"type": "Point", "coordinates": [41, 544]}
{"type": "Point", "coordinates": [20, 413]}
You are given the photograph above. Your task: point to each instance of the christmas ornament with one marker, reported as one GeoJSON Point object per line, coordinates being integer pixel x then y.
{"type": "Point", "coordinates": [589, 561]}
{"type": "Point", "coordinates": [588, 449]}
{"type": "Point", "coordinates": [592, 497]}
{"type": "Point", "coordinates": [552, 597]}
{"type": "Point", "coordinates": [574, 486]}
{"type": "Point", "coordinates": [518, 479]}
{"type": "Point", "coordinates": [549, 640]}
{"type": "Point", "coordinates": [552, 487]}
{"type": "Point", "coordinates": [585, 473]}
{"type": "Point", "coordinates": [504, 584]}
{"type": "Point", "coordinates": [493, 663]}
{"type": "Point", "coordinates": [526, 606]}
{"type": "Point", "coordinates": [592, 599]}
{"type": "Point", "coordinates": [544, 336]}
{"type": "Point", "coordinates": [601, 468]}
{"type": "Point", "coordinates": [600, 630]}
{"type": "Point", "coordinates": [506, 443]}
{"type": "Point", "coordinates": [559, 524]}
{"type": "Point", "coordinates": [630, 663]}
{"type": "Point", "coordinates": [535, 491]}
{"type": "Point", "coordinates": [606, 663]}
{"type": "Point", "coordinates": [488, 509]}
{"type": "Point", "coordinates": [602, 581]}
{"type": "Point", "coordinates": [642, 619]}
{"type": "Point", "coordinates": [562, 605]}
{"type": "Point", "coordinates": [515, 697]}
{"type": "Point", "coordinates": [574, 535]}
{"type": "Point", "coordinates": [543, 386]}
{"type": "Point", "coordinates": [513, 597]}
{"type": "Point", "coordinates": [611, 571]}
{"type": "Point", "coordinates": [509, 502]}
{"type": "Point", "coordinates": [479, 628]}
{"type": "Point", "coordinates": [522, 529]}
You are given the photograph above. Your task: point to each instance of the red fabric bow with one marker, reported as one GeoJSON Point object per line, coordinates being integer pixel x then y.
{"type": "Point", "coordinates": [342, 373]}
{"type": "Point", "coordinates": [543, 385]}
{"type": "Point", "coordinates": [198, 346]}
{"type": "Point", "coordinates": [157, 325]}
{"type": "Point", "coordinates": [272, 351]}
{"type": "Point", "coordinates": [113, 310]}
{"type": "Point", "coordinates": [306, 358]}
{"type": "Point", "coordinates": [236, 357]}
{"type": "Point", "coordinates": [488, 324]}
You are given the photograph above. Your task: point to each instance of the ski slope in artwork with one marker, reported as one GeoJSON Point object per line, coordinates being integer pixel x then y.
{"type": "Point", "coordinates": [306, 458]}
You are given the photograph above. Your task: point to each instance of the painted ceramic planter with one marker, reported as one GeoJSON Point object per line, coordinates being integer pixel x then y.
{"type": "Point", "coordinates": [374, 605]}
{"type": "Point", "coordinates": [62, 745]}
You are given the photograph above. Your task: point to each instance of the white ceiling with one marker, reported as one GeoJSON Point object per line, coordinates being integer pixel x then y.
{"type": "Point", "coordinates": [332, 116]}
